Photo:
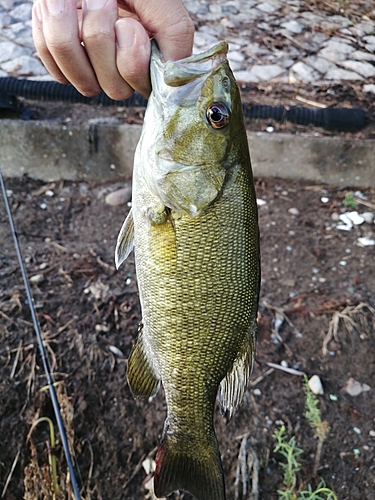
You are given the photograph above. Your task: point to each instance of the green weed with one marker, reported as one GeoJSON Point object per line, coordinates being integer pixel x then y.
{"type": "Point", "coordinates": [290, 451]}
{"type": "Point", "coordinates": [349, 201]}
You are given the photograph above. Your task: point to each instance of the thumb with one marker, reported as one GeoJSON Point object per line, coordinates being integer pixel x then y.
{"type": "Point", "coordinates": [170, 24]}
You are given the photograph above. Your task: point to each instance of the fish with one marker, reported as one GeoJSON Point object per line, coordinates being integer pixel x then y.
{"type": "Point", "coordinates": [193, 225]}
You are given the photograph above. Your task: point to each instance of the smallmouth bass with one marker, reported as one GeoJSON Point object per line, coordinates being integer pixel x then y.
{"type": "Point", "coordinates": [194, 228]}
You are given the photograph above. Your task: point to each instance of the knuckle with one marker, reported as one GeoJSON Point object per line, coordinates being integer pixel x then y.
{"type": "Point", "coordinates": [98, 38]}
{"type": "Point", "coordinates": [60, 47]}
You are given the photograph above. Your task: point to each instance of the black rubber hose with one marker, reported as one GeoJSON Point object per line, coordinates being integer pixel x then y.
{"type": "Point", "coordinates": [340, 119]}
{"type": "Point", "coordinates": [54, 91]}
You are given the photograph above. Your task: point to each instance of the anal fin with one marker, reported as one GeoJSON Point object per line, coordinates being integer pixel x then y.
{"type": "Point", "coordinates": [234, 384]}
{"type": "Point", "coordinates": [142, 379]}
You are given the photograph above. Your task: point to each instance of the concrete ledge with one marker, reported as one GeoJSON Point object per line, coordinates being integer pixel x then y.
{"type": "Point", "coordinates": [105, 150]}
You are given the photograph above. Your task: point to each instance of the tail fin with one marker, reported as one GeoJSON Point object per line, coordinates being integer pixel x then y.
{"type": "Point", "coordinates": [200, 474]}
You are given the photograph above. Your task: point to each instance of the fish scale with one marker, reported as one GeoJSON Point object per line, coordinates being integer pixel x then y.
{"type": "Point", "coordinates": [193, 225]}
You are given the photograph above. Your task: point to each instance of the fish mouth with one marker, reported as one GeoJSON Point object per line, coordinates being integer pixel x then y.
{"type": "Point", "coordinates": [183, 71]}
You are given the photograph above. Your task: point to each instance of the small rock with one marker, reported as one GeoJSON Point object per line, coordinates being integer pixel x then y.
{"type": "Point", "coordinates": [23, 66]}
{"type": "Point", "coordinates": [320, 64]}
{"type": "Point", "coordinates": [119, 197]}
{"type": "Point", "coordinates": [270, 129]}
{"type": "Point", "coordinates": [269, 7]}
{"type": "Point", "coordinates": [339, 46]}
{"type": "Point", "coordinates": [315, 385]}
{"type": "Point", "coordinates": [293, 26]}
{"type": "Point", "coordinates": [357, 430]}
{"type": "Point", "coordinates": [372, 433]}
{"type": "Point", "coordinates": [355, 388]}
{"type": "Point", "coordinates": [37, 279]}
{"type": "Point", "coordinates": [257, 392]}
{"type": "Point", "coordinates": [360, 55]}
{"type": "Point", "coordinates": [342, 74]}
{"type": "Point", "coordinates": [5, 19]}
{"type": "Point", "coordinates": [363, 28]}
{"type": "Point", "coordinates": [9, 51]}
{"type": "Point", "coordinates": [260, 202]}
{"type": "Point", "coordinates": [366, 242]}
{"type": "Point", "coordinates": [235, 56]}
{"type": "Point", "coordinates": [368, 217]}
{"type": "Point", "coordinates": [102, 328]}
{"type": "Point", "coordinates": [303, 72]}
{"type": "Point", "coordinates": [266, 72]}
{"type": "Point", "coordinates": [331, 55]}
{"type": "Point", "coordinates": [22, 12]}
{"type": "Point", "coordinates": [355, 218]}
{"type": "Point", "coordinates": [370, 87]}
{"type": "Point", "coordinates": [362, 68]}
{"type": "Point", "coordinates": [116, 351]}
{"type": "Point", "coordinates": [246, 76]}
{"type": "Point", "coordinates": [293, 211]}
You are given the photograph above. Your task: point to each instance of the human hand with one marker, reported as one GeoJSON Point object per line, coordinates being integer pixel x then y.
{"type": "Point", "coordinates": [105, 44]}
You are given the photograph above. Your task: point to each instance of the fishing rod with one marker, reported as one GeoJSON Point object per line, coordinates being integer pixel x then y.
{"type": "Point", "coordinates": [51, 387]}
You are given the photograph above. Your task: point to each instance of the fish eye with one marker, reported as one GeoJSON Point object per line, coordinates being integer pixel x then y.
{"type": "Point", "coordinates": [217, 115]}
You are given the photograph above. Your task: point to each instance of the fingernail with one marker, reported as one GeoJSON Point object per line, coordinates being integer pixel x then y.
{"type": "Point", "coordinates": [125, 37]}
{"type": "Point", "coordinates": [95, 4]}
{"type": "Point", "coordinates": [55, 7]}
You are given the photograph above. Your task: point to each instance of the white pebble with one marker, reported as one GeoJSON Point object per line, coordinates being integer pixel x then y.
{"type": "Point", "coordinates": [43, 206]}
{"type": "Point", "coordinates": [372, 433]}
{"type": "Point", "coordinates": [119, 197]}
{"type": "Point", "coordinates": [293, 211]}
{"type": "Point", "coordinates": [369, 217]}
{"type": "Point", "coordinates": [269, 129]}
{"type": "Point", "coordinates": [257, 392]}
{"type": "Point", "coordinates": [357, 430]}
{"type": "Point", "coordinates": [315, 385]}
{"type": "Point", "coordinates": [342, 262]}
{"type": "Point", "coordinates": [324, 199]}
{"type": "Point", "coordinates": [366, 242]}
{"type": "Point", "coordinates": [284, 363]}
{"type": "Point", "coordinates": [37, 279]}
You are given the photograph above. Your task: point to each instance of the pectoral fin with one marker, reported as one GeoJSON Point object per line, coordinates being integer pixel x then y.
{"type": "Point", "coordinates": [142, 379]}
{"type": "Point", "coordinates": [125, 240]}
{"type": "Point", "coordinates": [233, 386]}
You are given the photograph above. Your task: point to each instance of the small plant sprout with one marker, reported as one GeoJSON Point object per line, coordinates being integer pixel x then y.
{"type": "Point", "coordinates": [51, 452]}
{"type": "Point", "coordinates": [349, 201]}
{"type": "Point", "coordinates": [290, 451]}
{"type": "Point", "coordinates": [312, 414]}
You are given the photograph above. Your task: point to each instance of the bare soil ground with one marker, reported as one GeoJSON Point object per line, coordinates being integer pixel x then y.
{"type": "Point", "coordinates": [89, 315]}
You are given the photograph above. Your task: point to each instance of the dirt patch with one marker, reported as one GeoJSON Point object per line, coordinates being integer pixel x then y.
{"type": "Point", "coordinates": [89, 316]}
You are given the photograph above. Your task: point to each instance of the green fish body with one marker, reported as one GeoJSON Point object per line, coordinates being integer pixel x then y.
{"type": "Point", "coordinates": [194, 228]}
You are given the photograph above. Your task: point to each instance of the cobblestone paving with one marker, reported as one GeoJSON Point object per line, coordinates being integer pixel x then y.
{"type": "Point", "coordinates": [287, 41]}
